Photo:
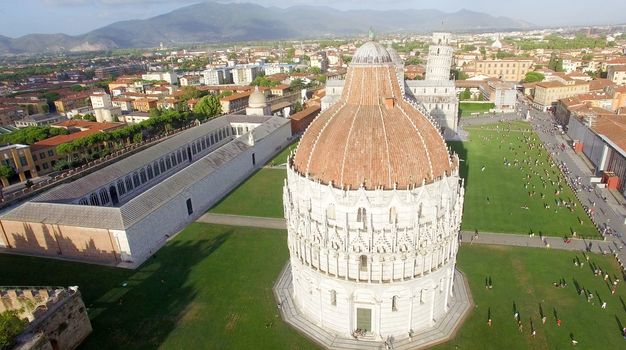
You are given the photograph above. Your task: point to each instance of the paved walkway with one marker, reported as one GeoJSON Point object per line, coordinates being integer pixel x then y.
{"type": "Point", "coordinates": [240, 220]}
{"type": "Point", "coordinates": [598, 246]}
{"type": "Point", "coordinates": [609, 212]}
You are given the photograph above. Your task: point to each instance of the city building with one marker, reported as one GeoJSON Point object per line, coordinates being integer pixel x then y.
{"type": "Point", "coordinates": [601, 135]}
{"type": "Point", "coordinates": [513, 70]}
{"type": "Point", "coordinates": [39, 120]}
{"type": "Point", "coordinates": [502, 94]}
{"type": "Point", "coordinates": [217, 76]}
{"type": "Point", "coordinates": [373, 203]}
{"type": "Point", "coordinates": [169, 77]}
{"type": "Point", "coordinates": [617, 74]}
{"type": "Point", "coordinates": [125, 212]}
{"type": "Point", "coordinates": [235, 102]}
{"type": "Point", "coordinates": [244, 74]}
{"type": "Point", "coordinates": [548, 93]}
{"type": "Point", "coordinates": [45, 154]}
{"type": "Point", "coordinates": [100, 100]}
{"type": "Point", "coordinates": [190, 80]}
{"type": "Point", "coordinates": [19, 158]}
{"type": "Point", "coordinates": [144, 104]}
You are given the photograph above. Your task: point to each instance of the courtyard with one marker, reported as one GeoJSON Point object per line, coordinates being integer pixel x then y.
{"type": "Point", "coordinates": [210, 287]}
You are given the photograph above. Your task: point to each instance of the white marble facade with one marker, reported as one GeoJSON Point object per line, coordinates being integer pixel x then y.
{"type": "Point", "coordinates": [379, 260]}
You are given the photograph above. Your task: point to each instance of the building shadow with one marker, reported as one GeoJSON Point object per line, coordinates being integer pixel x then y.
{"type": "Point", "coordinates": [128, 308]}
{"type": "Point", "coordinates": [458, 148]}
{"type": "Point", "coordinates": [142, 310]}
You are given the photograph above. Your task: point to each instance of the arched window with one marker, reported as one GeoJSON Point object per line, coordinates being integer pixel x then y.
{"type": "Point", "coordinates": [179, 156]}
{"type": "Point", "coordinates": [142, 175]}
{"type": "Point", "coordinates": [173, 158]}
{"type": "Point", "coordinates": [330, 212]}
{"type": "Point", "coordinates": [120, 187]}
{"type": "Point", "coordinates": [155, 167]}
{"type": "Point", "coordinates": [363, 262]}
{"type": "Point", "coordinates": [212, 139]}
{"type": "Point", "coordinates": [104, 196]}
{"type": "Point", "coordinates": [168, 163]}
{"type": "Point", "coordinates": [333, 297]}
{"type": "Point", "coordinates": [203, 143]}
{"type": "Point", "coordinates": [83, 201]}
{"type": "Point", "coordinates": [136, 181]}
{"type": "Point", "coordinates": [129, 183]}
{"type": "Point", "coordinates": [162, 164]}
{"type": "Point", "coordinates": [150, 172]}
{"type": "Point", "coordinates": [394, 303]}
{"type": "Point", "coordinates": [361, 216]}
{"type": "Point", "coordinates": [393, 215]}
{"type": "Point", "coordinates": [93, 199]}
{"type": "Point", "coordinates": [193, 148]}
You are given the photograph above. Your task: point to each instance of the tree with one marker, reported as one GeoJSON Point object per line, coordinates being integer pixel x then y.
{"type": "Point", "coordinates": [556, 63]}
{"type": "Point", "coordinates": [6, 171]}
{"type": "Point", "coordinates": [465, 95]}
{"type": "Point", "coordinates": [10, 326]}
{"type": "Point", "coordinates": [459, 74]}
{"type": "Point", "coordinates": [297, 107]}
{"type": "Point", "coordinates": [315, 70]}
{"type": "Point", "coordinates": [533, 77]}
{"type": "Point", "coordinates": [208, 107]}
{"type": "Point", "coordinates": [413, 61]}
{"type": "Point", "coordinates": [296, 84]}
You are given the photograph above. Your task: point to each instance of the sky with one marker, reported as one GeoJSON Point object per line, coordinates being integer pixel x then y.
{"type": "Point", "coordinates": [20, 17]}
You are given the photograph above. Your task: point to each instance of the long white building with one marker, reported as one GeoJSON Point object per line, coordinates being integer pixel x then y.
{"type": "Point", "coordinates": [125, 212]}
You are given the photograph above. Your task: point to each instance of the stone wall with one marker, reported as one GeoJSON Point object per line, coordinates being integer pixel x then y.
{"type": "Point", "coordinates": [58, 317]}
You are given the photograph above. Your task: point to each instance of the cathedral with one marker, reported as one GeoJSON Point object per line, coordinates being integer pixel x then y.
{"type": "Point", "coordinates": [435, 95]}
{"type": "Point", "coordinates": [373, 202]}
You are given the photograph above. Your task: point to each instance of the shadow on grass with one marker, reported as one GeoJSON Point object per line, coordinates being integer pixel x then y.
{"type": "Point", "coordinates": [242, 183]}
{"type": "Point", "coordinates": [143, 310]}
{"type": "Point", "coordinates": [458, 148]}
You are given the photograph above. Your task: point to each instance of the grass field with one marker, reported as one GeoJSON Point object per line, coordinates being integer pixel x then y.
{"type": "Point", "coordinates": [522, 278]}
{"type": "Point", "coordinates": [467, 108]}
{"type": "Point", "coordinates": [260, 195]}
{"type": "Point", "coordinates": [210, 288]}
{"type": "Point", "coordinates": [501, 198]}
{"type": "Point", "coordinates": [281, 158]}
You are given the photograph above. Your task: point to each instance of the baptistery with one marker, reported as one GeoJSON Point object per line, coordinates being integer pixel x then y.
{"type": "Point", "coordinates": [373, 202]}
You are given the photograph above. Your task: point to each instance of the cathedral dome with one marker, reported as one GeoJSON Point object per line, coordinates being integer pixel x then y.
{"type": "Point", "coordinates": [371, 53]}
{"type": "Point", "coordinates": [257, 99]}
{"type": "Point", "coordinates": [372, 137]}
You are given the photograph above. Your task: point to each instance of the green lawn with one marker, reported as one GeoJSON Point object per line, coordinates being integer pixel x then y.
{"type": "Point", "coordinates": [281, 158]}
{"type": "Point", "coordinates": [260, 195]}
{"type": "Point", "coordinates": [523, 277]}
{"type": "Point", "coordinates": [209, 288]}
{"type": "Point", "coordinates": [467, 108]}
{"type": "Point", "coordinates": [496, 198]}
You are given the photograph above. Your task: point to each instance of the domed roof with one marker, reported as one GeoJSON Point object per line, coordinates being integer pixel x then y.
{"type": "Point", "coordinates": [257, 99]}
{"type": "Point", "coordinates": [371, 53]}
{"type": "Point", "coordinates": [372, 137]}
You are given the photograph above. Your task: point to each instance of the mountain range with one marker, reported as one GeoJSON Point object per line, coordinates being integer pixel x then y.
{"type": "Point", "coordinates": [212, 22]}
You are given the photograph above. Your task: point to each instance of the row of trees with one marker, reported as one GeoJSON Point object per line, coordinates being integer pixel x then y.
{"type": "Point", "coordinates": [560, 43]}
{"type": "Point", "coordinates": [160, 122]}
{"type": "Point", "coordinates": [31, 134]}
